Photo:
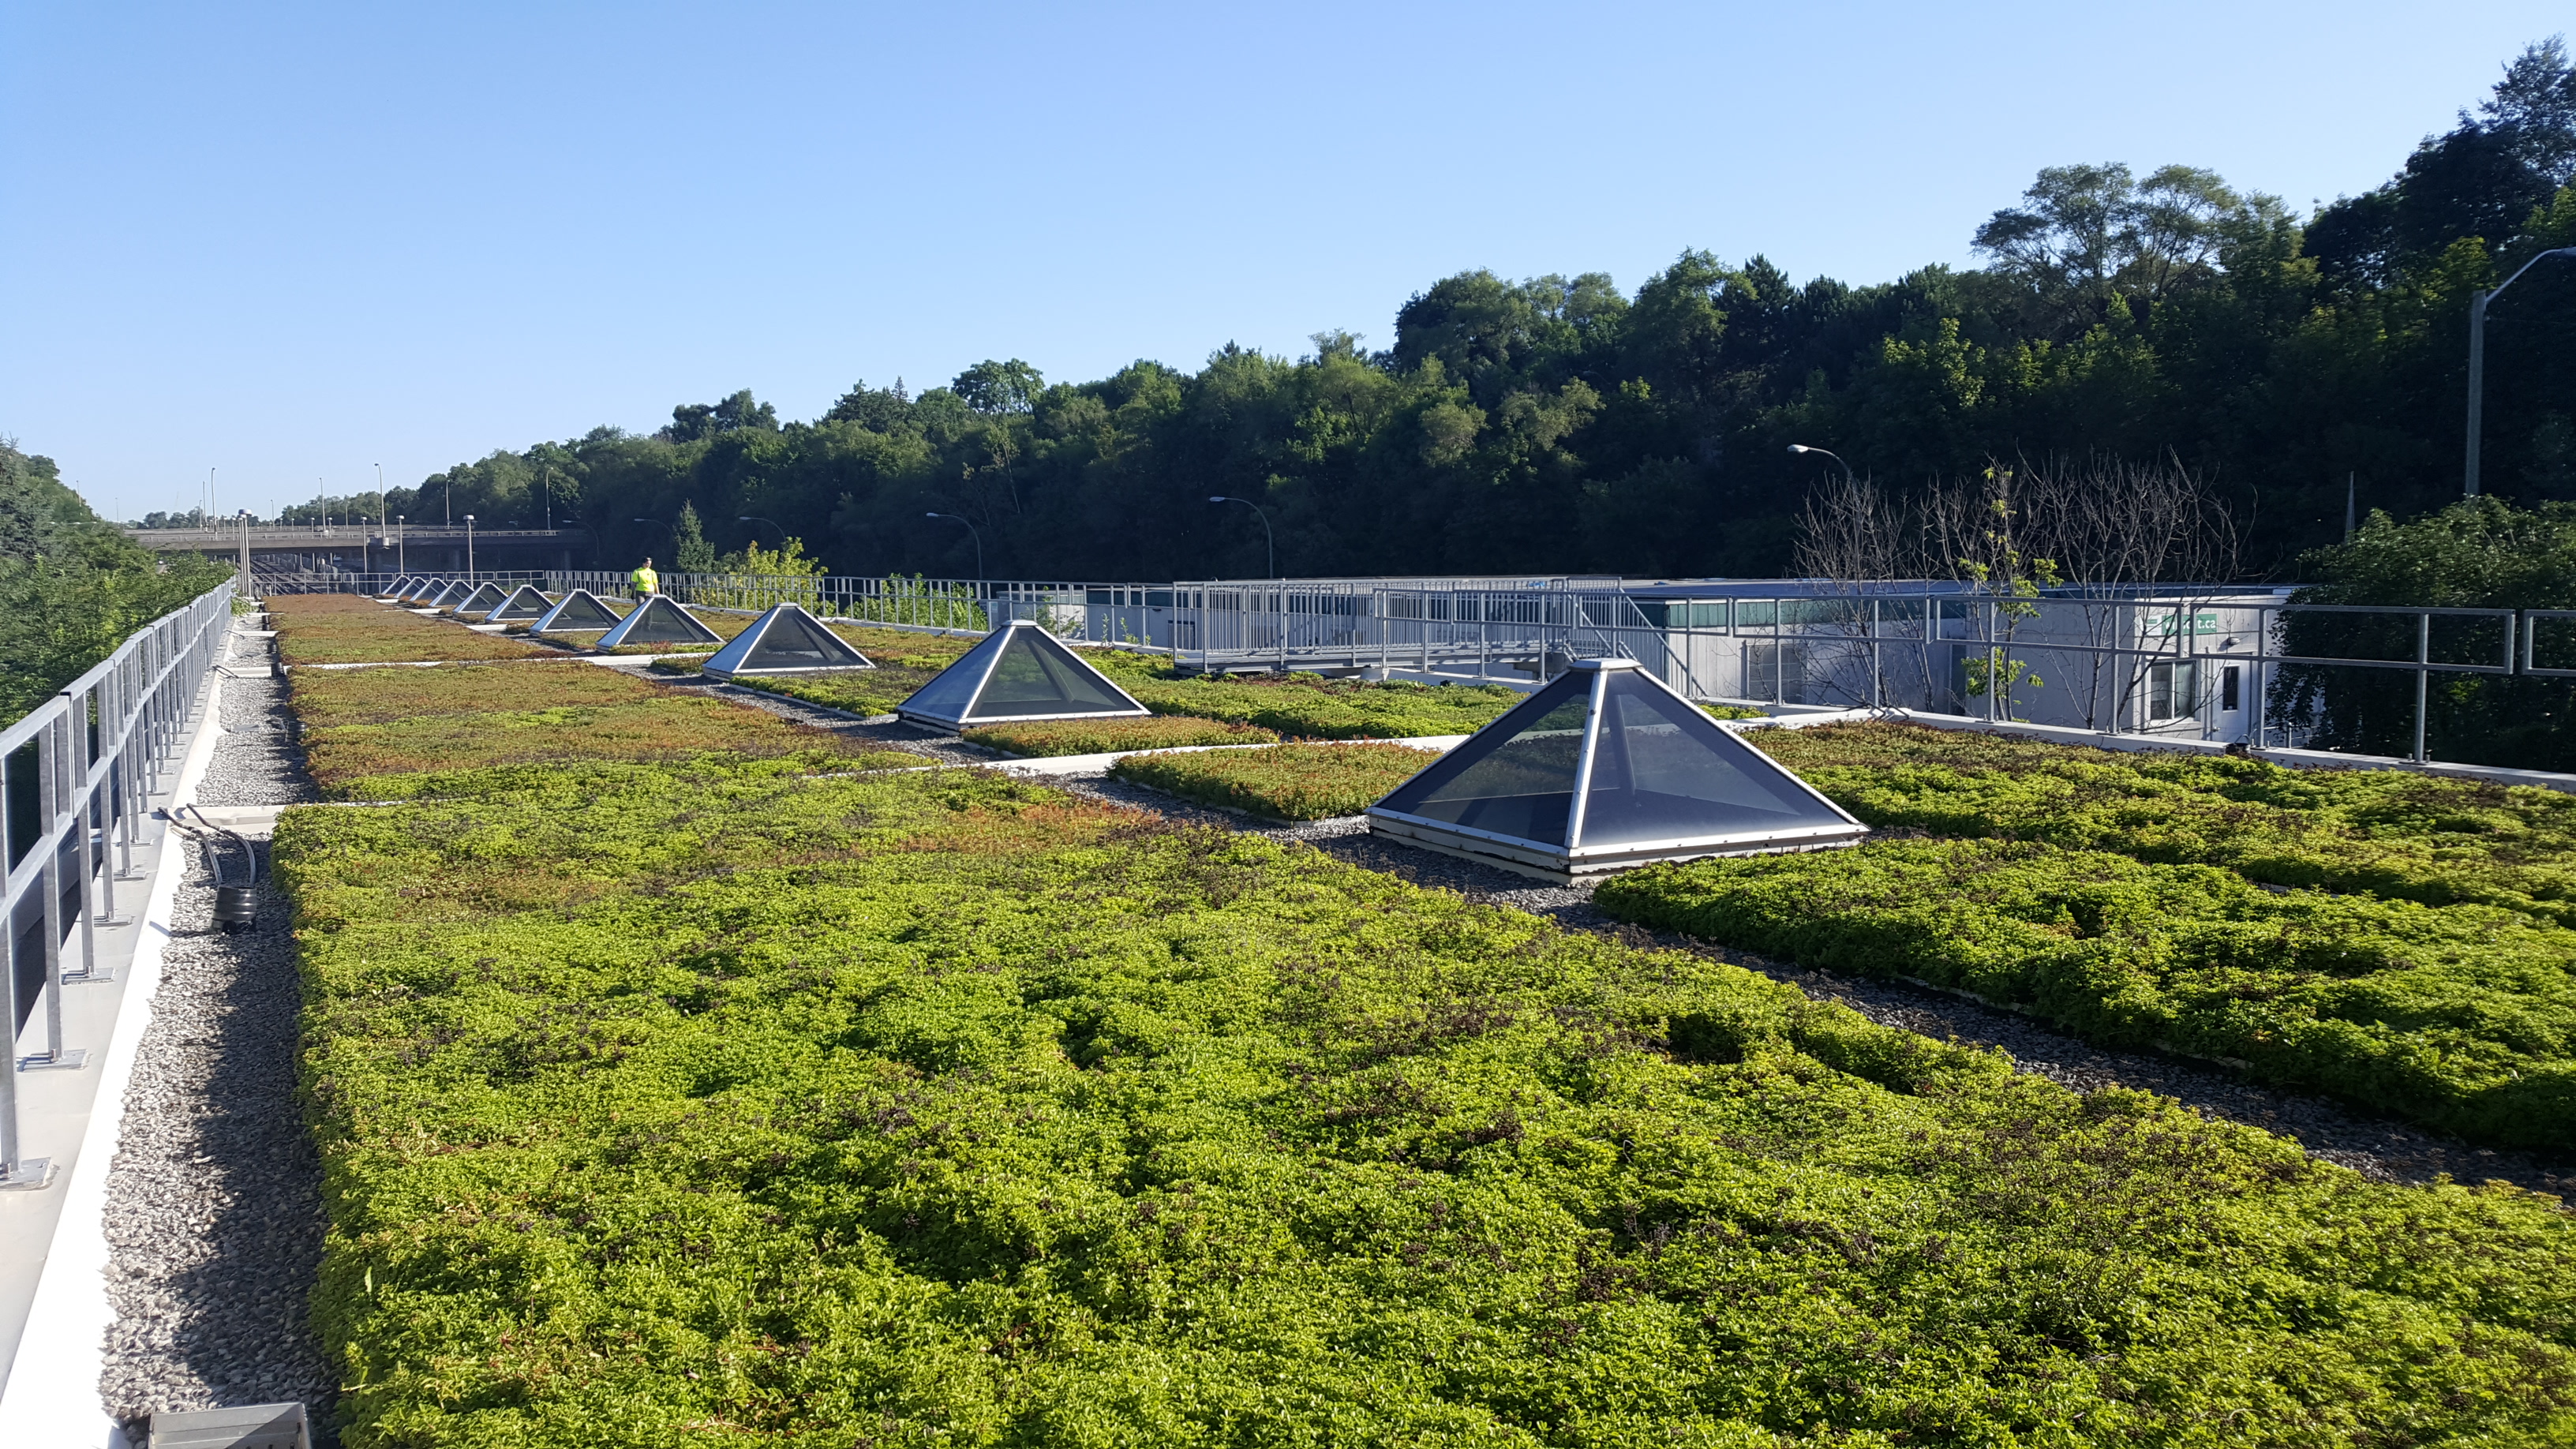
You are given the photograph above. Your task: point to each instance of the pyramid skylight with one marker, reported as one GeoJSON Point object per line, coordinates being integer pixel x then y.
{"type": "Point", "coordinates": [786, 640]}
{"type": "Point", "coordinates": [1608, 767]}
{"type": "Point", "coordinates": [525, 602]}
{"type": "Point", "coordinates": [395, 589]}
{"type": "Point", "coordinates": [425, 590]}
{"type": "Point", "coordinates": [657, 620]}
{"type": "Point", "coordinates": [447, 594]}
{"type": "Point", "coordinates": [1019, 672]}
{"type": "Point", "coordinates": [479, 598]}
{"type": "Point", "coordinates": [574, 613]}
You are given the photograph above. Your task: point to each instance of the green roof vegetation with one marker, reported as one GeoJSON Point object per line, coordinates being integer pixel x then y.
{"type": "Point", "coordinates": [1289, 782]}
{"type": "Point", "coordinates": [720, 1097]}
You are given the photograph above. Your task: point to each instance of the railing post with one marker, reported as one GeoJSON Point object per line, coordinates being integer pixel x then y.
{"type": "Point", "coordinates": [2423, 676]}
{"type": "Point", "coordinates": [54, 1056]}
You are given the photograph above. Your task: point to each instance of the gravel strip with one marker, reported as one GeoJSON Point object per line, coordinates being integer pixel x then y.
{"type": "Point", "coordinates": [2383, 1150]}
{"type": "Point", "coordinates": [214, 1199]}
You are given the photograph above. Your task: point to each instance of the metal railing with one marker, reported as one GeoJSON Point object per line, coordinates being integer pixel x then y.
{"type": "Point", "coordinates": [78, 772]}
{"type": "Point", "coordinates": [1842, 648]}
{"type": "Point", "coordinates": [915, 602]}
{"type": "Point", "coordinates": [265, 582]}
{"type": "Point", "coordinates": [1938, 648]}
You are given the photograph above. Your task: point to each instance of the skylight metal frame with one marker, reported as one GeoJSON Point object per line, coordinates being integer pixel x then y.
{"type": "Point", "coordinates": [996, 644]}
{"type": "Point", "coordinates": [1563, 862]}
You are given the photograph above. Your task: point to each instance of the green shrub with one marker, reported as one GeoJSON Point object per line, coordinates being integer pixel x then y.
{"type": "Point", "coordinates": [2462, 1017]}
{"type": "Point", "coordinates": [2384, 832]}
{"type": "Point", "coordinates": [1289, 782]}
{"type": "Point", "coordinates": [674, 1107]}
{"type": "Point", "coordinates": [1095, 737]}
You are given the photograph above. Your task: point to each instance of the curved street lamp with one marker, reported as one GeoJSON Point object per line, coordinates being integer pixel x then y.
{"type": "Point", "coordinates": [1270, 541]}
{"type": "Point", "coordinates": [2478, 357]}
{"type": "Point", "coordinates": [1837, 457]}
{"type": "Point", "coordinates": [977, 536]}
{"type": "Point", "coordinates": [756, 518]}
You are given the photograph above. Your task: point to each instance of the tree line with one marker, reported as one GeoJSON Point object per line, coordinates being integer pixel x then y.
{"type": "Point", "coordinates": [1560, 423]}
{"type": "Point", "coordinates": [71, 586]}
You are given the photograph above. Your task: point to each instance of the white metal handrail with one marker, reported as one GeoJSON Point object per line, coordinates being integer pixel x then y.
{"type": "Point", "coordinates": [77, 774]}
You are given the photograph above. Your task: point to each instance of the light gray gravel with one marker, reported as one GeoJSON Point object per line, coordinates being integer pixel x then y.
{"type": "Point", "coordinates": [214, 1217]}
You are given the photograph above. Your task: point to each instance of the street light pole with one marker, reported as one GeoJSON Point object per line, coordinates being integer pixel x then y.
{"type": "Point", "coordinates": [755, 518]}
{"type": "Point", "coordinates": [469, 548]}
{"type": "Point", "coordinates": [1848, 476]}
{"type": "Point", "coordinates": [2478, 360]}
{"type": "Point", "coordinates": [1270, 541]}
{"type": "Point", "coordinates": [973, 533]}
{"type": "Point", "coordinates": [400, 565]}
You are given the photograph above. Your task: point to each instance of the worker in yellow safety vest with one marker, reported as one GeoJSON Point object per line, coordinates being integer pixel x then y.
{"type": "Point", "coordinates": [646, 581]}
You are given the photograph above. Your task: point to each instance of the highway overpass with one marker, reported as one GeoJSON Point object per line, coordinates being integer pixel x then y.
{"type": "Point", "coordinates": [364, 548]}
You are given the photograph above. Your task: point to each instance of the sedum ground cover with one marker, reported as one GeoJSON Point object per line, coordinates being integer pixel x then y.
{"type": "Point", "coordinates": [352, 629]}
{"type": "Point", "coordinates": [1094, 737]}
{"type": "Point", "coordinates": [386, 734]}
{"type": "Point", "coordinates": [1288, 782]}
{"type": "Point", "coordinates": [1309, 706]}
{"type": "Point", "coordinates": [718, 1102]}
{"type": "Point", "coordinates": [2463, 1017]}
{"type": "Point", "coordinates": [322, 698]}
{"type": "Point", "coordinates": [2381, 832]}
{"type": "Point", "coordinates": [904, 662]}
{"type": "Point", "coordinates": [2395, 941]}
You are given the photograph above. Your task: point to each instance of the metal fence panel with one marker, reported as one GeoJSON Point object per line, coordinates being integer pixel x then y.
{"type": "Point", "coordinates": [79, 770]}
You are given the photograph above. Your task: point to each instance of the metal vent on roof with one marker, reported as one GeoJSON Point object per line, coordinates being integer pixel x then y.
{"type": "Point", "coordinates": [258, 1426]}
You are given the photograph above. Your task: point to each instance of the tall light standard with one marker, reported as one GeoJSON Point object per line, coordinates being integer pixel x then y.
{"type": "Point", "coordinates": [1269, 541]}
{"type": "Point", "coordinates": [400, 567]}
{"type": "Point", "coordinates": [1779, 653]}
{"type": "Point", "coordinates": [469, 548]}
{"type": "Point", "coordinates": [1837, 457]}
{"type": "Point", "coordinates": [754, 518]}
{"type": "Point", "coordinates": [971, 532]}
{"type": "Point", "coordinates": [2478, 356]}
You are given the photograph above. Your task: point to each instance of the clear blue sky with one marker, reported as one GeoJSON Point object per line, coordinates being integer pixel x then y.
{"type": "Point", "coordinates": [294, 241]}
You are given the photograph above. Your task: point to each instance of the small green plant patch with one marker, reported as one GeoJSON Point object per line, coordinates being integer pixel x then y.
{"type": "Point", "coordinates": [1290, 782]}
{"type": "Point", "coordinates": [435, 753]}
{"type": "Point", "coordinates": [351, 629]}
{"type": "Point", "coordinates": [2461, 1017]}
{"type": "Point", "coordinates": [324, 697]}
{"type": "Point", "coordinates": [700, 1105]}
{"type": "Point", "coordinates": [904, 663]}
{"type": "Point", "coordinates": [2383, 832]}
{"type": "Point", "coordinates": [1309, 706]}
{"type": "Point", "coordinates": [1096, 737]}
{"type": "Point", "coordinates": [862, 692]}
